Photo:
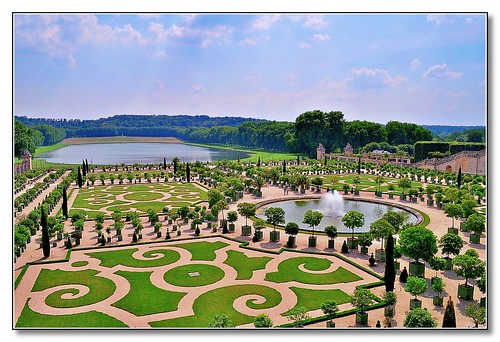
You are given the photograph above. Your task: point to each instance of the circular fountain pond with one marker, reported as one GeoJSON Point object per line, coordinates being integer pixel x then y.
{"type": "Point", "coordinates": [333, 206]}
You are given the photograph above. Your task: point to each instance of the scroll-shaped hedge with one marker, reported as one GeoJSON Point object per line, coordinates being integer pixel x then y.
{"type": "Point", "coordinates": [220, 301]}
{"type": "Point", "coordinates": [288, 270]}
{"type": "Point", "coordinates": [124, 257]}
{"type": "Point", "coordinates": [99, 288]}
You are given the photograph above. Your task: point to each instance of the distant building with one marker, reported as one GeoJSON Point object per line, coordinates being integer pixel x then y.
{"type": "Point", "coordinates": [348, 150]}
{"type": "Point", "coordinates": [25, 165]}
{"type": "Point", "coordinates": [320, 152]}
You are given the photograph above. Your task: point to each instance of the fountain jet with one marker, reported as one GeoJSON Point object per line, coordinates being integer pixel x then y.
{"type": "Point", "coordinates": [332, 204]}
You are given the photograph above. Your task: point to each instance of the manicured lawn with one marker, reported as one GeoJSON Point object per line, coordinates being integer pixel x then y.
{"type": "Point", "coordinates": [202, 250]}
{"type": "Point", "coordinates": [312, 299]}
{"type": "Point", "coordinates": [91, 319]}
{"type": "Point", "coordinates": [245, 265]}
{"type": "Point", "coordinates": [111, 258]}
{"type": "Point", "coordinates": [288, 270]}
{"type": "Point", "coordinates": [220, 301]}
{"type": "Point", "coordinates": [139, 197]}
{"type": "Point", "coordinates": [193, 275]}
{"type": "Point", "coordinates": [100, 288]}
{"type": "Point", "coordinates": [144, 298]}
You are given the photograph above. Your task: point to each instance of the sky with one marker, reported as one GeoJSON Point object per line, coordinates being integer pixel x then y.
{"type": "Point", "coordinates": [422, 68]}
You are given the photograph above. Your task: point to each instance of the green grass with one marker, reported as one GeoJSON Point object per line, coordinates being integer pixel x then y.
{"type": "Point", "coordinates": [79, 263]}
{"type": "Point", "coordinates": [312, 299]}
{"type": "Point", "coordinates": [202, 250]}
{"type": "Point", "coordinates": [144, 298]}
{"type": "Point", "coordinates": [206, 275]}
{"type": "Point", "coordinates": [142, 196]}
{"type": "Point", "coordinates": [288, 270]}
{"type": "Point", "coordinates": [94, 319]}
{"type": "Point", "coordinates": [220, 301]}
{"type": "Point", "coordinates": [244, 265]}
{"type": "Point", "coordinates": [44, 149]}
{"type": "Point", "coordinates": [100, 288]}
{"type": "Point", "coordinates": [111, 258]}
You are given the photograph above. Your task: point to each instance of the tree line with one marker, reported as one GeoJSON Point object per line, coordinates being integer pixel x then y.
{"type": "Point", "coordinates": [302, 136]}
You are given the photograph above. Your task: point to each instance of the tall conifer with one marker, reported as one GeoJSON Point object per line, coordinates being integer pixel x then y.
{"type": "Point", "coordinates": [390, 270]}
{"type": "Point", "coordinates": [188, 173]}
{"type": "Point", "coordinates": [449, 318]}
{"type": "Point", "coordinates": [79, 178]}
{"type": "Point", "coordinates": [45, 232]}
{"type": "Point", "coordinates": [65, 203]}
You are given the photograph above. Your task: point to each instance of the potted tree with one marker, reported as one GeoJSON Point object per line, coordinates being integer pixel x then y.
{"type": "Point", "coordinates": [312, 218]}
{"type": "Point", "coordinates": [232, 216]}
{"type": "Point", "coordinates": [415, 286]}
{"type": "Point", "coordinates": [469, 266]}
{"type": "Point", "coordinates": [331, 232]}
{"type": "Point", "coordinates": [361, 300]}
{"type": "Point", "coordinates": [390, 299]}
{"type": "Point", "coordinates": [437, 285]}
{"type": "Point", "coordinates": [365, 240]}
{"type": "Point", "coordinates": [475, 224]}
{"type": "Point", "coordinates": [258, 225]}
{"type": "Point", "coordinates": [417, 243]}
{"type": "Point", "coordinates": [454, 211]}
{"type": "Point", "coordinates": [379, 180]}
{"type": "Point", "coordinates": [353, 219]}
{"type": "Point", "coordinates": [247, 210]}
{"type": "Point", "coordinates": [330, 309]}
{"type": "Point", "coordinates": [356, 180]}
{"type": "Point", "coordinates": [380, 229]}
{"type": "Point", "coordinates": [437, 264]}
{"type": "Point", "coordinates": [292, 229]}
{"type": "Point", "coordinates": [390, 190]}
{"type": "Point", "coordinates": [275, 216]}
{"type": "Point", "coordinates": [450, 244]}
{"type": "Point", "coordinates": [404, 183]}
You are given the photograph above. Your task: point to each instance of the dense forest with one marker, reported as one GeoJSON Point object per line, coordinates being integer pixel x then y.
{"type": "Point", "coordinates": [302, 136]}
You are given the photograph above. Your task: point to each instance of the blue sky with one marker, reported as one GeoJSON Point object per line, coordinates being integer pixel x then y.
{"type": "Point", "coordinates": [422, 68]}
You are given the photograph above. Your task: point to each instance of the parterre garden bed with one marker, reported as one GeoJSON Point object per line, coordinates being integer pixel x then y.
{"type": "Point", "coordinates": [182, 284]}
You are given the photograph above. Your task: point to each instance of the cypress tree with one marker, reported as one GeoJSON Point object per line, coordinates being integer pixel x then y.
{"type": "Point", "coordinates": [258, 162]}
{"type": "Point", "coordinates": [188, 173]}
{"type": "Point", "coordinates": [459, 177]}
{"type": "Point", "coordinates": [298, 160]}
{"type": "Point", "coordinates": [45, 232]}
{"type": "Point", "coordinates": [359, 165]}
{"type": "Point", "coordinates": [175, 165]}
{"type": "Point", "coordinates": [284, 166]}
{"type": "Point", "coordinates": [325, 161]}
{"type": "Point", "coordinates": [390, 269]}
{"type": "Point", "coordinates": [65, 203]}
{"type": "Point", "coordinates": [84, 172]}
{"type": "Point", "coordinates": [164, 163]}
{"type": "Point", "coordinates": [79, 178]}
{"type": "Point", "coordinates": [449, 319]}
{"type": "Point", "coordinates": [86, 166]}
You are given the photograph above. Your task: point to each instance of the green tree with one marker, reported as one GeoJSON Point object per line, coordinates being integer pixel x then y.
{"type": "Point", "coordinates": [419, 318]}
{"type": "Point", "coordinates": [380, 229]}
{"type": "Point", "coordinates": [331, 232]}
{"type": "Point", "coordinates": [353, 219]}
{"type": "Point", "coordinates": [297, 315]}
{"type": "Point", "coordinates": [396, 218]}
{"type": "Point", "coordinates": [454, 211]}
{"type": "Point", "coordinates": [404, 183]}
{"type": "Point", "coordinates": [476, 313]}
{"type": "Point", "coordinates": [220, 321]}
{"type": "Point", "coordinates": [214, 196]}
{"type": "Point", "coordinates": [329, 308]}
{"type": "Point", "coordinates": [188, 173]}
{"type": "Point", "coordinates": [64, 205]}
{"type": "Point", "coordinates": [275, 216]}
{"type": "Point", "coordinates": [312, 218]}
{"type": "Point", "coordinates": [449, 318]}
{"type": "Point", "coordinates": [45, 232]}
{"type": "Point", "coordinates": [79, 177]}
{"type": "Point", "coordinates": [263, 321]}
{"type": "Point", "coordinates": [175, 162]}
{"type": "Point", "coordinates": [417, 243]}
{"type": "Point", "coordinates": [475, 223]}
{"type": "Point", "coordinates": [390, 269]}
{"type": "Point", "coordinates": [451, 244]}
{"type": "Point", "coordinates": [362, 299]}
{"type": "Point", "coordinates": [468, 265]}
{"type": "Point", "coordinates": [416, 286]}
{"type": "Point", "coordinates": [246, 210]}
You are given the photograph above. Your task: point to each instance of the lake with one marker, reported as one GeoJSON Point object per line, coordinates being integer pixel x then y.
{"type": "Point", "coordinates": [141, 153]}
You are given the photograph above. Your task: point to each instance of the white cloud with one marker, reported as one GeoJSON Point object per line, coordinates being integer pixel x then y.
{"type": "Point", "coordinates": [254, 40]}
{"type": "Point", "coordinates": [439, 19]}
{"type": "Point", "coordinates": [441, 71]}
{"type": "Point", "coordinates": [321, 37]}
{"type": "Point", "coordinates": [188, 35]}
{"type": "Point", "coordinates": [250, 78]}
{"type": "Point", "coordinates": [316, 22]}
{"type": "Point", "coordinates": [160, 84]}
{"type": "Point", "coordinates": [198, 88]}
{"type": "Point", "coordinates": [160, 54]}
{"type": "Point", "coordinates": [304, 45]}
{"type": "Point", "coordinates": [265, 22]}
{"type": "Point", "coordinates": [415, 64]}
{"type": "Point", "coordinates": [376, 78]}
{"type": "Point", "coordinates": [291, 79]}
